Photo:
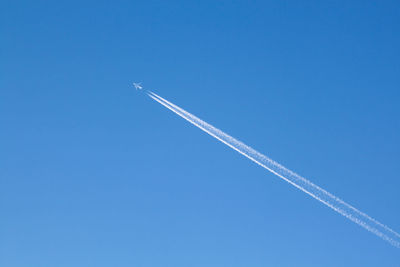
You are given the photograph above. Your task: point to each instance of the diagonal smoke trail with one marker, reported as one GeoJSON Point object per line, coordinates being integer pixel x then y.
{"type": "Point", "coordinates": [294, 179]}
{"type": "Point", "coordinates": [273, 163]}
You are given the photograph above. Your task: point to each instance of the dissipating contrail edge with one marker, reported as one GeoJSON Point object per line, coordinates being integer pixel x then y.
{"type": "Point", "coordinates": [294, 179]}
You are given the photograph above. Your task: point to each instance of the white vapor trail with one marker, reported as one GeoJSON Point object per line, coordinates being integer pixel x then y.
{"type": "Point", "coordinates": [294, 179]}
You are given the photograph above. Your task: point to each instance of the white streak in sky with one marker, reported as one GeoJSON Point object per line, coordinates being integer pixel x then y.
{"type": "Point", "coordinates": [294, 179]}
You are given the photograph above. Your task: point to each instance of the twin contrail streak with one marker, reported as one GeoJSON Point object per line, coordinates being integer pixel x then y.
{"type": "Point", "coordinates": [292, 178]}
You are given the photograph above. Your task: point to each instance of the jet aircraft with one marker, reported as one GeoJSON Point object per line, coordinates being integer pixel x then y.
{"type": "Point", "coordinates": [138, 86]}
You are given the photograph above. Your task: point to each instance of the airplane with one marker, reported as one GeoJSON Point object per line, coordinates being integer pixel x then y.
{"type": "Point", "coordinates": [138, 86]}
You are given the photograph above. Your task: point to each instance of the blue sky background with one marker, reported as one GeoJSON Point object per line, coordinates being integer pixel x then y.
{"type": "Point", "coordinates": [94, 173]}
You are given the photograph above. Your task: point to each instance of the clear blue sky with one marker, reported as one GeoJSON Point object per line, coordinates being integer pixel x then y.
{"type": "Point", "coordinates": [94, 173]}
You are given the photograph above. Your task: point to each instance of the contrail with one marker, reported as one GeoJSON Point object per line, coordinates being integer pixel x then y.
{"type": "Point", "coordinates": [294, 179]}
